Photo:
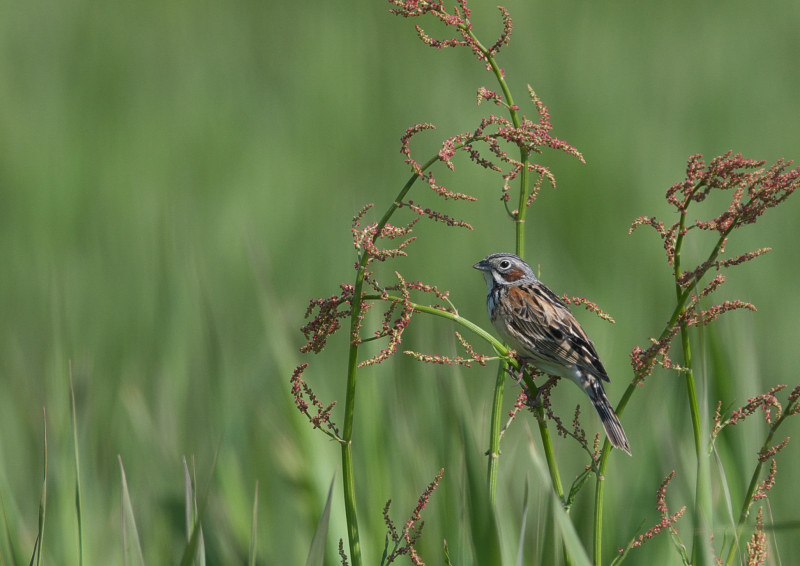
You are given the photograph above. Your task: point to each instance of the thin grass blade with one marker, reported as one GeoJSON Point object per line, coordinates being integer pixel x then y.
{"type": "Point", "coordinates": [316, 553]}
{"type": "Point", "coordinates": [196, 537]}
{"type": "Point", "coordinates": [482, 518]}
{"type": "Point", "coordinates": [77, 469]}
{"type": "Point", "coordinates": [565, 528]}
{"type": "Point", "coordinates": [36, 557]}
{"type": "Point", "coordinates": [254, 530]}
{"type": "Point", "coordinates": [192, 520]}
{"type": "Point", "coordinates": [131, 546]}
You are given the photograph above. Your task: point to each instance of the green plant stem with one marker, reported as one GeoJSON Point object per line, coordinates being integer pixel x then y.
{"type": "Point", "coordinates": [348, 479]}
{"type": "Point", "coordinates": [683, 296]}
{"type": "Point", "coordinates": [494, 439]}
{"type": "Point", "coordinates": [754, 481]}
{"type": "Point", "coordinates": [519, 233]}
{"type": "Point", "coordinates": [505, 354]}
{"type": "Point", "coordinates": [702, 499]}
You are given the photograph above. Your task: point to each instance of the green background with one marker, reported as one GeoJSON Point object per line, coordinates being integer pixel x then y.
{"type": "Point", "coordinates": [178, 179]}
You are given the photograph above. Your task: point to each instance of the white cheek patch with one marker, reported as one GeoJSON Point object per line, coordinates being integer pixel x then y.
{"type": "Point", "coordinates": [489, 277]}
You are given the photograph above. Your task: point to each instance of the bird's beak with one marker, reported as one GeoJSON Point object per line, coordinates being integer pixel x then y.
{"type": "Point", "coordinates": [482, 265]}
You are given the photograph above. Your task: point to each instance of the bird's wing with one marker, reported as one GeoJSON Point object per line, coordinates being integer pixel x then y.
{"type": "Point", "coordinates": [550, 331]}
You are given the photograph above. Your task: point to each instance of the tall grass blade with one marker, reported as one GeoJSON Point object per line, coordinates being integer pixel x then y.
{"type": "Point", "coordinates": [525, 505]}
{"type": "Point", "coordinates": [566, 530]}
{"type": "Point", "coordinates": [482, 518]}
{"type": "Point", "coordinates": [254, 530]}
{"type": "Point", "coordinates": [36, 557]}
{"type": "Point", "coordinates": [316, 553]}
{"type": "Point", "coordinates": [192, 519]}
{"type": "Point", "coordinates": [195, 539]}
{"type": "Point", "coordinates": [8, 555]}
{"type": "Point", "coordinates": [131, 546]}
{"type": "Point", "coordinates": [77, 468]}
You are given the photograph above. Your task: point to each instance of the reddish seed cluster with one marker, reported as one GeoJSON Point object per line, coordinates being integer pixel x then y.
{"type": "Point", "coordinates": [405, 541]}
{"type": "Point", "coordinates": [763, 487]}
{"type": "Point", "coordinates": [644, 361]}
{"type": "Point", "coordinates": [757, 545]}
{"type": "Point", "coordinates": [767, 453]}
{"type": "Point", "coordinates": [436, 216]}
{"type": "Point", "coordinates": [774, 414]}
{"type": "Point", "coordinates": [440, 359]}
{"type": "Point", "coordinates": [753, 190]}
{"type": "Point", "coordinates": [395, 333]}
{"type": "Point", "coordinates": [577, 432]}
{"type": "Point", "coordinates": [527, 137]}
{"type": "Point", "coordinates": [329, 313]}
{"type": "Point", "coordinates": [701, 318]}
{"type": "Point", "coordinates": [300, 390]}
{"type": "Point", "coordinates": [470, 349]}
{"type": "Point", "coordinates": [589, 306]}
{"type": "Point", "coordinates": [491, 96]}
{"type": "Point", "coordinates": [473, 356]}
{"type": "Point", "coordinates": [519, 404]}
{"type": "Point", "coordinates": [767, 402]}
{"type": "Point", "coordinates": [458, 18]}
{"type": "Point", "coordinates": [667, 522]}
{"type": "Point", "coordinates": [342, 555]}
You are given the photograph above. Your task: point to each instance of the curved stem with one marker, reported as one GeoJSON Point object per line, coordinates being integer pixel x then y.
{"type": "Point", "coordinates": [682, 298]}
{"type": "Point", "coordinates": [494, 439]}
{"type": "Point", "coordinates": [504, 353]}
{"type": "Point", "coordinates": [751, 488]}
{"type": "Point", "coordinates": [348, 479]}
{"type": "Point", "coordinates": [519, 236]}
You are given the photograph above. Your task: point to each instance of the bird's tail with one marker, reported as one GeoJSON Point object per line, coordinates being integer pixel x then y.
{"type": "Point", "coordinates": [614, 431]}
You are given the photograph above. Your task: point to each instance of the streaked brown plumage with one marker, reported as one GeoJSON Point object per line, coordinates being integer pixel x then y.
{"type": "Point", "coordinates": [540, 327]}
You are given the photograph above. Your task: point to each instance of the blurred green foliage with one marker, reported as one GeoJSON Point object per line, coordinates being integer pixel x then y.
{"type": "Point", "coordinates": [178, 178]}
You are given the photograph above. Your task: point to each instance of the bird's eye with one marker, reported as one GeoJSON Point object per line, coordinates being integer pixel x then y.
{"type": "Point", "coordinates": [505, 264]}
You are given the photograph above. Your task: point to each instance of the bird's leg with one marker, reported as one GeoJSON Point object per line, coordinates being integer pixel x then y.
{"type": "Point", "coordinates": [518, 377]}
{"type": "Point", "coordinates": [548, 385]}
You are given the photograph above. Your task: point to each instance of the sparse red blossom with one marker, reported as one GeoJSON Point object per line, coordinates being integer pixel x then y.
{"type": "Point", "coordinates": [406, 539]}
{"type": "Point", "coordinates": [486, 94]}
{"type": "Point", "coordinates": [395, 329]}
{"type": "Point", "coordinates": [704, 317]}
{"type": "Point", "coordinates": [505, 37]}
{"type": "Point", "coordinates": [644, 361]}
{"type": "Point", "coordinates": [542, 398]}
{"type": "Point", "coordinates": [767, 453]}
{"type": "Point", "coordinates": [757, 545]}
{"type": "Point", "coordinates": [763, 488]}
{"type": "Point", "coordinates": [667, 522]}
{"type": "Point", "coordinates": [342, 555]}
{"type": "Point", "coordinates": [440, 359]}
{"type": "Point", "coordinates": [767, 402]}
{"type": "Point", "coordinates": [437, 216]}
{"type": "Point", "coordinates": [794, 406]}
{"type": "Point", "coordinates": [753, 190]}
{"type": "Point", "coordinates": [327, 321]}
{"type": "Point", "coordinates": [589, 306]}
{"type": "Point", "coordinates": [528, 137]}
{"type": "Point", "coordinates": [470, 349]}
{"type": "Point", "coordinates": [300, 390]}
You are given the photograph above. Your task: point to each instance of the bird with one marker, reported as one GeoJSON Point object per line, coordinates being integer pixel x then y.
{"type": "Point", "coordinates": [540, 327]}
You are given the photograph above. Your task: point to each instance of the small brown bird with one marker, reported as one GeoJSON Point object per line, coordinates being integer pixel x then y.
{"type": "Point", "coordinates": [543, 331]}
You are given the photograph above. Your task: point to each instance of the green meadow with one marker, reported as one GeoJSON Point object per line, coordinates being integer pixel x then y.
{"type": "Point", "coordinates": [178, 180]}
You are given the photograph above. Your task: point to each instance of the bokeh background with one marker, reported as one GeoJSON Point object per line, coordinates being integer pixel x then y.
{"type": "Point", "coordinates": [178, 179]}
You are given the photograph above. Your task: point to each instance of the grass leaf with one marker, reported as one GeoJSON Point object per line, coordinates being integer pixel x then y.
{"type": "Point", "coordinates": [131, 547]}
{"type": "Point", "coordinates": [36, 557]}
{"type": "Point", "coordinates": [254, 530]}
{"type": "Point", "coordinates": [77, 469]}
{"type": "Point", "coordinates": [192, 519]}
{"type": "Point", "coordinates": [316, 553]}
